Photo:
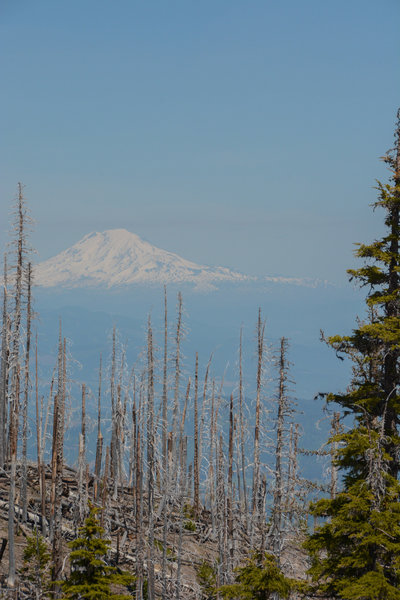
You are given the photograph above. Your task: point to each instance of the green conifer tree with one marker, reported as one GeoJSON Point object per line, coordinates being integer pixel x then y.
{"type": "Point", "coordinates": [355, 553]}
{"type": "Point", "coordinates": [259, 579]}
{"type": "Point", "coordinates": [35, 571]}
{"type": "Point", "coordinates": [91, 578]}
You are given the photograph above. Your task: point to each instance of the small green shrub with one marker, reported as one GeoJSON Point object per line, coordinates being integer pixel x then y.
{"type": "Point", "coordinates": [189, 525]}
{"type": "Point", "coordinates": [35, 571]}
{"type": "Point", "coordinates": [207, 578]}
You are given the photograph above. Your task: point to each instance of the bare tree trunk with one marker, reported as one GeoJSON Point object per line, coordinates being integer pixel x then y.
{"type": "Point", "coordinates": [164, 450]}
{"type": "Point", "coordinates": [13, 467]}
{"type": "Point", "coordinates": [54, 464]}
{"type": "Point", "coordinates": [211, 458]}
{"type": "Point", "coordinates": [290, 504]}
{"type": "Point", "coordinates": [113, 458]}
{"type": "Point", "coordinates": [58, 447]}
{"type": "Point", "coordinates": [82, 497]}
{"type": "Point", "coordinates": [48, 410]}
{"type": "Point", "coordinates": [290, 484]}
{"type": "Point", "coordinates": [203, 410]}
{"type": "Point", "coordinates": [99, 442]}
{"type": "Point", "coordinates": [14, 402]}
{"type": "Point", "coordinates": [261, 513]}
{"type": "Point", "coordinates": [24, 478]}
{"type": "Point", "coordinates": [179, 565]}
{"type": "Point", "coordinates": [229, 500]}
{"type": "Point", "coordinates": [236, 446]}
{"type": "Point", "coordinates": [176, 385]}
{"type": "Point", "coordinates": [241, 419]}
{"type": "Point", "coordinates": [182, 447]}
{"type": "Point", "coordinates": [104, 485]}
{"type": "Point", "coordinates": [4, 371]}
{"type": "Point", "coordinates": [83, 417]}
{"type": "Point", "coordinates": [118, 443]}
{"type": "Point", "coordinates": [165, 395]}
{"type": "Point", "coordinates": [40, 466]}
{"type": "Point", "coordinates": [196, 474]}
{"type": "Point", "coordinates": [132, 446]}
{"type": "Point", "coordinates": [260, 353]}
{"type": "Point", "coordinates": [221, 513]}
{"type": "Point", "coordinates": [139, 513]}
{"type": "Point", "coordinates": [277, 509]}
{"type": "Point", "coordinates": [150, 458]}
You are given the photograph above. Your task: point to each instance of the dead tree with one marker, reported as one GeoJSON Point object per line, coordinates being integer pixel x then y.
{"type": "Point", "coordinates": [179, 558]}
{"type": "Point", "coordinates": [99, 442]}
{"type": "Point", "coordinates": [113, 454]}
{"type": "Point", "coordinates": [241, 423]}
{"type": "Point", "coordinates": [132, 444]}
{"type": "Point", "coordinates": [260, 360]}
{"type": "Point", "coordinates": [177, 360]}
{"type": "Point", "coordinates": [213, 429]}
{"type": "Point", "coordinates": [82, 497]}
{"type": "Point", "coordinates": [203, 410]}
{"type": "Point", "coordinates": [150, 458]}
{"type": "Point", "coordinates": [290, 493]}
{"type": "Point", "coordinates": [13, 437]}
{"type": "Point", "coordinates": [4, 368]}
{"type": "Point", "coordinates": [20, 245]}
{"type": "Point", "coordinates": [165, 396]}
{"type": "Point", "coordinates": [221, 511]}
{"type": "Point", "coordinates": [196, 474]}
{"type": "Point", "coordinates": [39, 445]}
{"type": "Point", "coordinates": [24, 482]}
{"type": "Point", "coordinates": [229, 498]}
{"type": "Point", "coordinates": [58, 464]}
{"type": "Point", "coordinates": [118, 422]}
{"type": "Point", "coordinates": [183, 484]}
{"type": "Point", "coordinates": [277, 509]}
{"type": "Point", "coordinates": [139, 503]}
{"type": "Point", "coordinates": [285, 412]}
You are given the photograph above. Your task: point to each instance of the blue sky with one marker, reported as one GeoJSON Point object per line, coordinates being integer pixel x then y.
{"type": "Point", "coordinates": [245, 134]}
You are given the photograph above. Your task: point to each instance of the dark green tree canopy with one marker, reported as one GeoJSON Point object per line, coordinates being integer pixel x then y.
{"type": "Point", "coordinates": [355, 553]}
{"type": "Point", "coordinates": [91, 578]}
{"type": "Point", "coordinates": [259, 579]}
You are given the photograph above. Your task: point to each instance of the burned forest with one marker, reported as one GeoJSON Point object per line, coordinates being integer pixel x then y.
{"type": "Point", "coordinates": [184, 485]}
{"type": "Point", "coordinates": [187, 477]}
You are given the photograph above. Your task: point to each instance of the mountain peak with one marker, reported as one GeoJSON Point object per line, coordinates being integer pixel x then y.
{"type": "Point", "coordinates": [117, 257]}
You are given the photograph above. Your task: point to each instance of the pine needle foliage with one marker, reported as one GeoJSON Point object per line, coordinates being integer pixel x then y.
{"type": "Point", "coordinates": [207, 578]}
{"type": "Point", "coordinates": [35, 571]}
{"type": "Point", "coordinates": [91, 578]}
{"type": "Point", "coordinates": [259, 579]}
{"type": "Point", "coordinates": [355, 553]}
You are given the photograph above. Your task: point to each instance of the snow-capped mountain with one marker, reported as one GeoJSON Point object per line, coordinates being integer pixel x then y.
{"type": "Point", "coordinates": [118, 257]}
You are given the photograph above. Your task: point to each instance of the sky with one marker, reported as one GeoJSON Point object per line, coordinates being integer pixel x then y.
{"type": "Point", "coordinates": [238, 133]}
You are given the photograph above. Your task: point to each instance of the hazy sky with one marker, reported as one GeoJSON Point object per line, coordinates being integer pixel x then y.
{"type": "Point", "coordinates": [237, 133]}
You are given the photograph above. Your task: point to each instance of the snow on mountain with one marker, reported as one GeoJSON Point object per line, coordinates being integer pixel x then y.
{"type": "Point", "coordinates": [303, 281]}
{"type": "Point", "coordinates": [117, 257]}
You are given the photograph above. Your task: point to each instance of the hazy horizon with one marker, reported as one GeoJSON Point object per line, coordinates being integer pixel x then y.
{"type": "Point", "coordinates": [239, 134]}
